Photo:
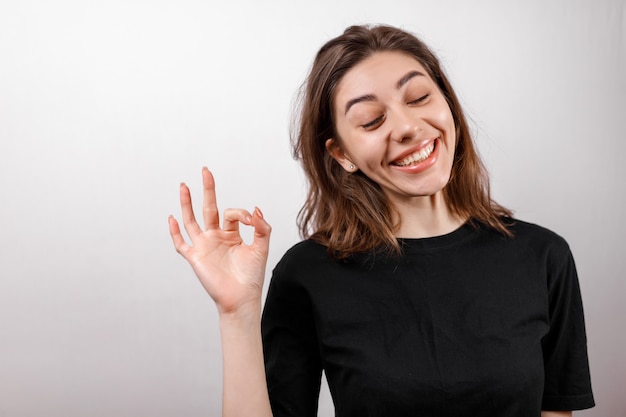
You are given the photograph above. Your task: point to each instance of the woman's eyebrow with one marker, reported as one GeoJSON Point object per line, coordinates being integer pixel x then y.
{"type": "Point", "coordinates": [408, 77]}
{"type": "Point", "coordinates": [367, 97]}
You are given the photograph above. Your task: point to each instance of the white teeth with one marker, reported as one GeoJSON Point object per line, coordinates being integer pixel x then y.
{"type": "Point", "coordinates": [417, 156]}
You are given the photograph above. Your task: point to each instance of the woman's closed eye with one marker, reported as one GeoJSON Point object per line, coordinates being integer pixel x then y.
{"type": "Point", "coordinates": [373, 123]}
{"type": "Point", "coordinates": [420, 100]}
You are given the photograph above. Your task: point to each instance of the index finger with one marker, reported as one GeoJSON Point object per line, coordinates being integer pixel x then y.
{"type": "Point", "coordinates": [209, 206]}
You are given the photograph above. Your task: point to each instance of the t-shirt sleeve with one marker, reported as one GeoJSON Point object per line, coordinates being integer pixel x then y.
{"type": "Point", "coordinates": [292, 361]}
{"type": "Point", "coordinates": [567, 379]}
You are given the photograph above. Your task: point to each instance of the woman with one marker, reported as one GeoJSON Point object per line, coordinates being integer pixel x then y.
{"type": "Point", "coordinates": [414, 291]}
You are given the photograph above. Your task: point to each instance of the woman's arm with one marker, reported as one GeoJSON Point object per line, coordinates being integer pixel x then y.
{"type": "Point", "coordinates": [556, 414]}
{"type": "Point", "coordinates": [232, 273]}
{"type": "Point", "coordinates": [245, 386]}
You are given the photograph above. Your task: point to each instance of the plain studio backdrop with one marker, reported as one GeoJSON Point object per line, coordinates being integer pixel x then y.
{"type": "Point", "coordinates": [106, 106]}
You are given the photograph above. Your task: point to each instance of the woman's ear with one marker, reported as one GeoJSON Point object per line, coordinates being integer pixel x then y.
{"type": "Point", "coordinates": [340, 156]}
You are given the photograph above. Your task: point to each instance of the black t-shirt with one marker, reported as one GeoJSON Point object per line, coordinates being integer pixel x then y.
{"type": "Point", "coordinates": [471, 323]}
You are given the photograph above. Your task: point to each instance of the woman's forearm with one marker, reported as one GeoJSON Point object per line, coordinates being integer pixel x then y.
{"type": "Point", "coordinates": [245, 386]}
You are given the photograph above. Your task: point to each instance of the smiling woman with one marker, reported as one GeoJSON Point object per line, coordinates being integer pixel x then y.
{"type": "Point", "coordinates": [413, 290]}
{"type": "Point", "coordinates": [356, 68]}
{"type": "Point", "coordinates": [408, 147]}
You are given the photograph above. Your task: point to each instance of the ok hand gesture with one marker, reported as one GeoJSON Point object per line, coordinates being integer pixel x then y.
{"type": "Point", "coordinates": [231, 271]}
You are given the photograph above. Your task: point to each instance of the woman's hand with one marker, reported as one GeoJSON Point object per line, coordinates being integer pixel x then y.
{"type": "Point", "coordinates": [230, 271]}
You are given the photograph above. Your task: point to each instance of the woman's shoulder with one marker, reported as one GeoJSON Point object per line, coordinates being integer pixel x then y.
{"type": "Point", "coordinates": [305, 251]}
{"type": "Point", "coordinates": [307, 255]}
{"type": "Point", "coordinates": [527, 230]}
{"type": "Point", "coordinates": [537, 237]}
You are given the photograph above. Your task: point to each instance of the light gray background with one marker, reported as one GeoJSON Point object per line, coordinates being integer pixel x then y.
{"type": "Point", "coordinates": [106, 106]}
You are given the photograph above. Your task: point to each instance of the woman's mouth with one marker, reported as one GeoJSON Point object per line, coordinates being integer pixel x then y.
{"type": "Point", "coordinates": [416, 157]}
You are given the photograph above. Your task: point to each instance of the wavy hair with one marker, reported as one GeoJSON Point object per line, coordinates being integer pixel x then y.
{"type": "Point", "coordinates": [350, 213]}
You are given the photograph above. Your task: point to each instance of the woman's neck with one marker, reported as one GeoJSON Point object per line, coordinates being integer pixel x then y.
{"type": "Point", "coordinates": [422, 217]}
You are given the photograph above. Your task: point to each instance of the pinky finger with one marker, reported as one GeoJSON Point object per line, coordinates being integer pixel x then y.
{"type": "Point", "coordinates": [177, 238]}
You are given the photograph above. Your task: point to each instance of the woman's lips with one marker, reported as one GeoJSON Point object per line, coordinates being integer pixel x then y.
{"type": "Point", "coordinates": [417, 156]}
{"type": "Point", "coordinates": [419, 160]}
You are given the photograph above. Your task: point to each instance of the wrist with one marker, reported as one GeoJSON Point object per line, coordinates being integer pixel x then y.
{"type": "Point", "coordinates": [244, 315]}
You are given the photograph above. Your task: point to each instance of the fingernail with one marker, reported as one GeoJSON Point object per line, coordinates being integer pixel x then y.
{"type": "Point", "coordinates": [258, 212]}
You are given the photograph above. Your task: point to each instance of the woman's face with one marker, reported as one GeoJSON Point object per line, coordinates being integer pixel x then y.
{"type": "Point", "coordinates": [395, 126]}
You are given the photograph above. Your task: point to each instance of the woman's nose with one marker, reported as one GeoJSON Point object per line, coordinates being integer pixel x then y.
{"type": "Point", "coordinates": [406, 124]}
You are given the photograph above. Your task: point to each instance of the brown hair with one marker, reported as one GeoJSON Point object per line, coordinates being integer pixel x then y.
{"type": "Point", "coordinates": [349, 213]}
